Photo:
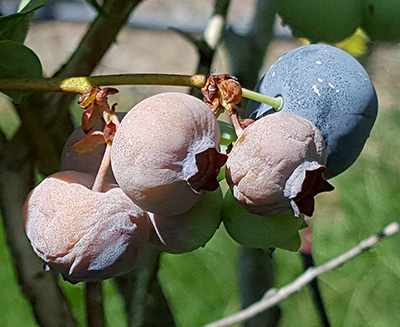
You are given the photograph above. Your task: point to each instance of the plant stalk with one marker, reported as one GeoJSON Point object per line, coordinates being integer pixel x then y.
{"type": "Point", "coordinates": [83, 84]}
{"type": "Point", "coordinates": [101, 174]}
{"type": "Point", "coordinates": [276, 103]}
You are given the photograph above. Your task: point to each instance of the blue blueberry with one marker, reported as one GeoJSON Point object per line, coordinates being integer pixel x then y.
{"type": "Point", "coordinates": [330, 88]}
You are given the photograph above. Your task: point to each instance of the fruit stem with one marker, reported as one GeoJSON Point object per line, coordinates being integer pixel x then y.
{"type": "Point", "coordinates": [275, 102]}
{"type": "Point", "coordinates": [84, 84]}
{"type": "Point", "coordinates": [235, 122]}
{"type": "Point", "coordinates": [94, 304]}
{"type": "Point", "coordinates": [101, 173]}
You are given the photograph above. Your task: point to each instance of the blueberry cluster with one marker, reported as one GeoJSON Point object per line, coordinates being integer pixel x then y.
{"type": "Point", "coordinates": [163, 187]}
{"type": "Point", "coordinates": [165, 155]}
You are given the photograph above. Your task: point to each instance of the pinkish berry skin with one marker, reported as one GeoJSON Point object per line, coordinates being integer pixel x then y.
{"type": "Point", "coordinates": [273, 163]}
{"type": "Point", "coordinates": [82, 234]}
{"type": "Point", "coordinates": [163, 153]}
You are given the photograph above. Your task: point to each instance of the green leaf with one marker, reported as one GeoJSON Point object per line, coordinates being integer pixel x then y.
{"type": "Point", "coordinates": [15, 26]}
{"type": "Point", "coordinates": [27, 6]}
{"type": "Point", "coordinates": [18, 60]}
{"type": "Point", "coordinates": [258, 231]}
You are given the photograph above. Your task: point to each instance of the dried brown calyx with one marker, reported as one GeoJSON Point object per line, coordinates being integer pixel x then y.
{"type": "Point", "coordinates": [208, 163]}
{"type": "Point", "coordinates": [304, 184]}
{"type": "Point", "coordinates": [222, 92]}
{"type": "Point", "coordinates": [96, 108]}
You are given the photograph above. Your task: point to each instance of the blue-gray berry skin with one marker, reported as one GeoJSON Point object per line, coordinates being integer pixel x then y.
{"type": "Point", "coordinates": [330, 88]}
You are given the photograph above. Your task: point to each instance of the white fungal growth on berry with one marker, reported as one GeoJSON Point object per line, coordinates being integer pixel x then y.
{"type": "Point", "coordinates": [165, 153]}
{"type": "Point", "coordinates": [278, 164]}
{"type": "Point", "coordinates": [84, 235]}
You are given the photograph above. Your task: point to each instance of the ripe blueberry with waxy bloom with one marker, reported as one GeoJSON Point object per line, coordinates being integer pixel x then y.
{"type": "Point", "coordinates": [330, 88]}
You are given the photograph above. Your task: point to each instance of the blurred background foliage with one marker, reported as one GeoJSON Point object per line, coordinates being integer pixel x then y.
{"type": "Point", "coordinates": [202, 286]}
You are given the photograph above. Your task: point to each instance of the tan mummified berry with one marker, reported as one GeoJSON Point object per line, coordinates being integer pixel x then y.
{"type": "Point", "coordinates": [83, 234]}
{"type": "Point", "coordinates": [277, 164]}
{"type": "Point", "coordinates": [165, 153]}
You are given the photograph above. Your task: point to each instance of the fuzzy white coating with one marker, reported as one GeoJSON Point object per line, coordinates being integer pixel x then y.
{"type": "Point", "coordinates": [263, 159]}
{"type": "Point", "coordinates": [82, 234]}
{"type": "Point", "coordinates": [153, 153]}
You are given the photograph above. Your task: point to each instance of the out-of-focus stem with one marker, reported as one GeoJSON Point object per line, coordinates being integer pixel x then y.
{"type": "Point", "coordinates": [145, 302]}
{"type": "Point", "coordinates": [94, 304]}
{"type": "Point", "coordinates": [256, 274]}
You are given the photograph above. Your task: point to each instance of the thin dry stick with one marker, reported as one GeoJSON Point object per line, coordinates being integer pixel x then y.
{"type": "Point", "coordinates": [94, 290]}
{"type": "Point", "coordinates": [274, 296]}
{"type": "Point", "coordinates": [101, 174]}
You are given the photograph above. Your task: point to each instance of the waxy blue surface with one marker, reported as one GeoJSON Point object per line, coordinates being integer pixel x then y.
{"type": "Point", "coordinates": [330, 88]}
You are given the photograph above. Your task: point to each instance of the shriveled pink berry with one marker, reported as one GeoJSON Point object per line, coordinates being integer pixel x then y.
{"type": "Point", "coordinates": [277, 164]}
{"type": "Point", "coordinates": [165, 153]}
{"type": "Point", "coordinates": [88, 161]}
{"type": "Point", "coordinates": [82, 234]}
{"type": "Point", "coordinates": [189, 230]}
